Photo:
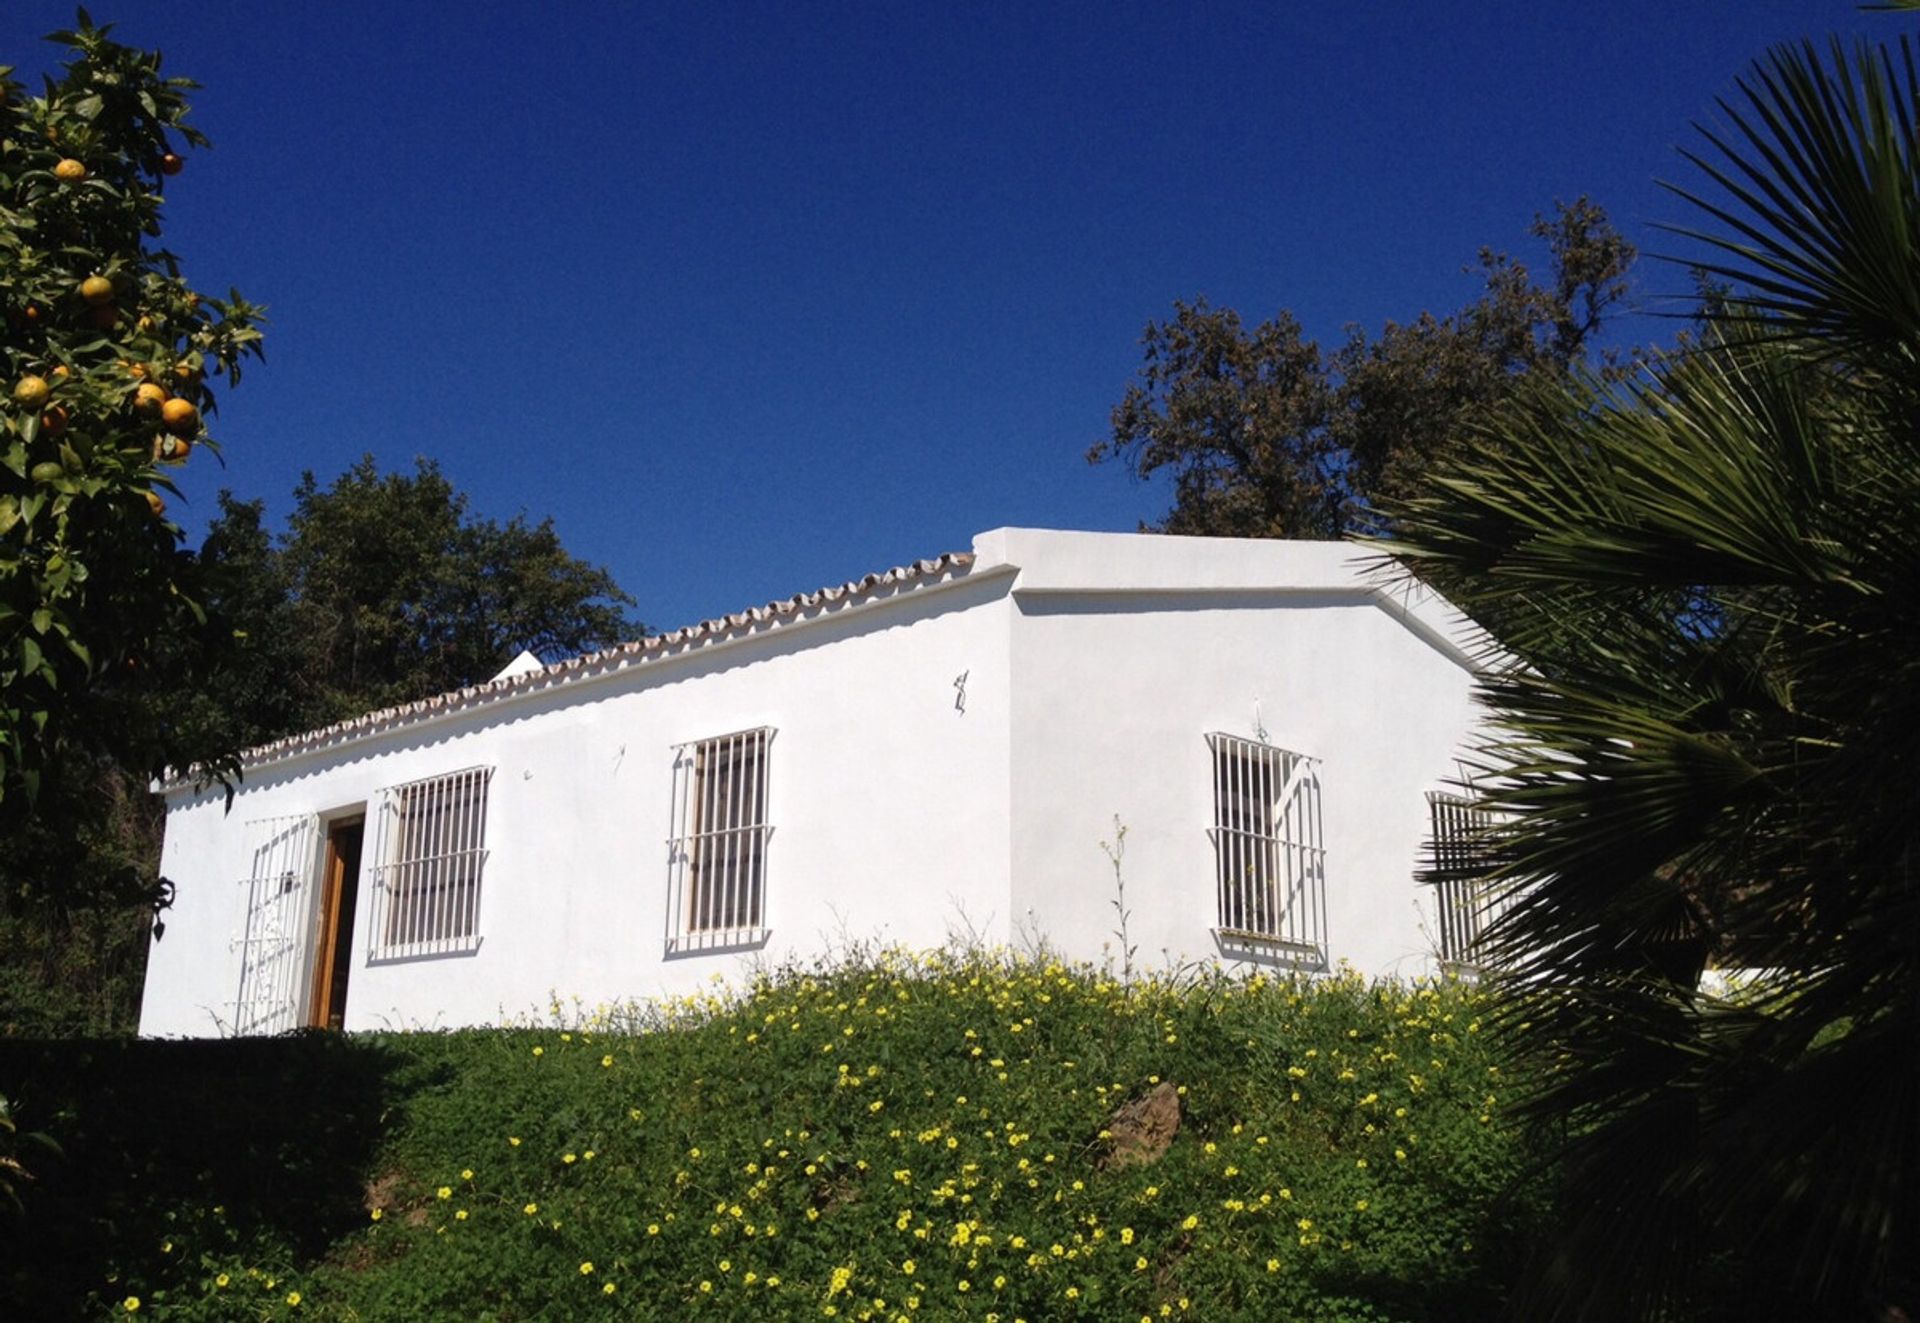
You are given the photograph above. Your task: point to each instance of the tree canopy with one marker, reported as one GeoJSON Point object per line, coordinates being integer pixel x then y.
{"type": "Point", "coordinates": [384, 588]}
{"type": "Point", "coordinates": [108, 359]}
{"type": "Point", "coordinates": [1268, 435]}
{"type": "Point", "coordinates": [1705, 707]}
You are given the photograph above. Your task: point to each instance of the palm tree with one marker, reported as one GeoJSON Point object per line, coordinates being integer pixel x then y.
{"type": "Point", "coordinates": [1705, 582]}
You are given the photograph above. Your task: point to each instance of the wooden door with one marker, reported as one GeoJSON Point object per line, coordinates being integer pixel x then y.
{"type": "Point", "coordinates": [333, 953]}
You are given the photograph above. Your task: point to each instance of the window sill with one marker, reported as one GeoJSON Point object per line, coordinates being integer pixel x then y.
{"type": "Point", "coordinates": [443, 948]}
{"type": "Point", "coordinates": [1266, 948]}
{"type": "Point", "coordinates": [717, 941]}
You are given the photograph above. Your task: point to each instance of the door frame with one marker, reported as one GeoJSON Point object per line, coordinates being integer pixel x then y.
{"type": "Point", "coordinates": [333, 884]}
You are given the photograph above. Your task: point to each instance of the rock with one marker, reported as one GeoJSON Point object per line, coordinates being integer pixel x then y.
{"type": "Point", "coordinates": [1143, 1129]}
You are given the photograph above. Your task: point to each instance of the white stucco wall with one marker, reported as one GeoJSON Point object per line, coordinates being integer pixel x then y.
{"type": "Point", "coordinates": [1123, 664]}
{"type": "Point", "coordinates": [1096, 664]}
{"type": "Point", "coordinates": [888, 806]}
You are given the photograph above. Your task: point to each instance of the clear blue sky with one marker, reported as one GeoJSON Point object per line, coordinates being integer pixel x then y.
{"type": "Point", "coordinates": [754, 298]}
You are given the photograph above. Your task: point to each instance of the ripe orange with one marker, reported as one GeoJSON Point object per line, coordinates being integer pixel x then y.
{"type": "Point", "coordinates": [180, 417]}
{"type": "Point", "coordinates": [171, 449]}
{"type": "Point", "coordinates": [62, 370]}
{"type": "Point", "coordinates": [147, 397]}
{"type": "Point", "coordinates": [96, 290]}
{"type": "Point", "coordinates": [32, 314]}
{"type": "Point", "coordinates": [171, 164]}
{"type": "Point", "coordinates": [31, 392]}
{"type": "Point", "coordinates": [54, 420]}
{"type": "Point", "coordinates": [138, 371]}
{"type": "Point", "coordinates": [70, 171]}
{"type": "Point", "coordinates": [189, 375]}
{"type": "Point", "coordinates": [159, 507]}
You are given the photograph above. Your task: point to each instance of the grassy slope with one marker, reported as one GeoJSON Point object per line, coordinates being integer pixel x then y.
{"type": "Point", "coordinates": [923, 1134]}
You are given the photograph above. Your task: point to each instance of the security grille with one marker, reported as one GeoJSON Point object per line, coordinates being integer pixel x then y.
{"type": "Point", "coordinates": [1468, 904]}
{"type": "Point", "coordinates": [1270, 860]}
{"type": "Point", "coordinates": [718, 855]}
{"type": "Point", "coordinates": [431, 846]}
{"type": "Point", "coordinates": [276, 937]}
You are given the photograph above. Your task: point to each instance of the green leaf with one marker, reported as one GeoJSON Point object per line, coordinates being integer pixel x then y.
{"type": "Point", "coordinates": [42, 620]}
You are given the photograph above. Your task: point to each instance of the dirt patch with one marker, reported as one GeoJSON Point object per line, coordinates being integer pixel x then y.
{"type": "Point", "coordinates": [379, 1194]}
{"type": "Point", "coordinates": [1143, 1129]}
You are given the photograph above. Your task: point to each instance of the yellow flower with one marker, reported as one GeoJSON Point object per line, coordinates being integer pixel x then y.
{"type": "Point", "coordinates": [531, 1209]}
{"type": "Point", "coordinates": [221, 1281]}
{"type": "Point", "coordinates": [446, 1192]}
{"type": "Point", "coordinates": [376, 1215]}
{"type": "Point", "coordinates": [1126, 1235]}
{"type": "Point", "coordinates": [460, 1215]}
{"type": "Point", "coordinates": [568, 1158]}
{"type": "Point", "coordinates": [607, 1061]}
{"type": "Point", "coordinates": [539, 1051]}
{"type": "Point", "coordinates": [608, 1289]}
{"type": "Point", "coordinates": [293, 1298]}
{"type": "Point", "coordinates": [907, 1267]}
{"type": "Point", "coordinates": [131, 1304]}
{"type": "Point", "coordinates": [586, 1269]}
{"type": "Point", "coordinates": [653, 1228]}
{"type": "Point", "coordinates": [514, 1140]}
{"type": "Point", "coordinates": [1193, 1220]}
{"type": "Point", "coordinates": [1140, 1264]}
{"type": "Point", "coordinates": [1273, 1265]}
{"type": "Point", "coordinates": [467, 1175]}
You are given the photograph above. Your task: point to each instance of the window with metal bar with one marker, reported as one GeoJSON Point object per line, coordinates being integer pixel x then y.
{"type": "Point", "coordinates": [431, 839]}
{"type": "Point", "coordinates": [1468, 903]}
{"type": "Point", "coordinates": [719, 851]}
{"type": "Point", "coordinates": [1269, 859]}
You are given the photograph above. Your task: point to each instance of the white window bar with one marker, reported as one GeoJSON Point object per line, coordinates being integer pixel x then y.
{"type": "Point", "coordinates": [1269, 853]}
{"type": "Point", "coordinates": [430, 848]}
{"type": "Point", "coordinates": [1468, 904]}
{"type": "Point", "coordinates": [717, 857]}
{"type": "Point", "coordinates": [275, 943]}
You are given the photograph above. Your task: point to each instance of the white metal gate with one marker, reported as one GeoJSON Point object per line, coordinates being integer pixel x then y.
{"type": "Point", "coordinates": [275, 943]}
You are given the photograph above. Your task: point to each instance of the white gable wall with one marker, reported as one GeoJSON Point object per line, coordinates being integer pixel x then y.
{"type": "Point", "coordinates": [1122, 669]}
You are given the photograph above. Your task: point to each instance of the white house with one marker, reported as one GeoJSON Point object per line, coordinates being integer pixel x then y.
{"type": "Point", "coordinates": [943, 746]}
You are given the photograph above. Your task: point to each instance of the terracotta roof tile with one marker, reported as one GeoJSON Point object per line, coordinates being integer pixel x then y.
{"type": "Point", "coordinates": [621, 656]}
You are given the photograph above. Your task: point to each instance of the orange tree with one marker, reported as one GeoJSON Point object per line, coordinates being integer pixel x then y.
{"type": "Point", "coordinates": [109, 359]}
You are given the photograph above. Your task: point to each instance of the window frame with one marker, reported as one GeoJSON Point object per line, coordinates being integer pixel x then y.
{"type": "Point", "coordinates": [428, 884]}
{"type": "Point", "coordinates": [717, 856]}
{"type": "Point", "coordinates": [1269, 850]}
{"type": "Point", "coordinates": [1466, 905]}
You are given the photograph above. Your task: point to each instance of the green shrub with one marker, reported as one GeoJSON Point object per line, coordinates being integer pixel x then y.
{"type": "Point", "coordinates": [900, 1137]}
